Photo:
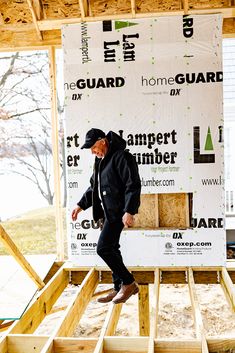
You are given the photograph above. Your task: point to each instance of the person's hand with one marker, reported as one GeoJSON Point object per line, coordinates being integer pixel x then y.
{"type": "Point", "coordinates": [75, 213]}
{"type": "Point", "coordinates": [128, 219]}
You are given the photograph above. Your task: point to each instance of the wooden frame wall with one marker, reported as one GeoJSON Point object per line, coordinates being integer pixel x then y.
{"type": "Point", "coordinates": [20, 336]}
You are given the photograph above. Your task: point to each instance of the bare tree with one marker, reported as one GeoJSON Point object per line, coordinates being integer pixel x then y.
{"type": "Point", "coordinates": [24, 119]}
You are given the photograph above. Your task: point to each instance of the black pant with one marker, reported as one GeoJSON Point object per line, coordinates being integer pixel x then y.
{"type": "Point", "coordinates": [108, 249]}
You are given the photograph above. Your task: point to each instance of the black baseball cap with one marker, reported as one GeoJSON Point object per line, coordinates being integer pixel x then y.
{"type": "Point", "coordinates": [92, 136]}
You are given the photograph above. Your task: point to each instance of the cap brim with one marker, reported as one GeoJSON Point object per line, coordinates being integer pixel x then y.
{"type": "Point", "coordinates": [87, 145]}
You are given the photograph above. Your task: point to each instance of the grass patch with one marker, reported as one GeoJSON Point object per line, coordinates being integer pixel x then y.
{"type": "Point", "coordinates": [33, 232]}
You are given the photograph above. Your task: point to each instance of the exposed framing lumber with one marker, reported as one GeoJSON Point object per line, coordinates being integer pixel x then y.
{"type": "Point", "coordinates": [37, 5]}
{"type": "Point", "coordinates": [15, 252]}
{"type": "Point", "coordinates": [84, 7]}
{"type": "Point", "coordinates": [25, 343]}
{"type": "Point", "coordinates": [177, 346]}
{"type": "Point", "coordinates": [56, 159]}
{"type": "Point", "coordinates": [144, 320]}
{"type": "Point", "coordinates": [200, 334]}
{"type": "Point", "coordinates": [74, 345]}
{"type": "Point", "coordinates": [109, 326]}
{"type": "Point", "coordinates": [228, 287]}
{"type": "Point", "coordinates": [42, 305]}
{"type": "Point", "coordinates": [154, 311]}
{"type": "Point", "coordinates": [34, 17]}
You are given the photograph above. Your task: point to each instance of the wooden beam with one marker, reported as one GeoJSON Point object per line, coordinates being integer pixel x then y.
{"type": "Point", "coordinates": [25, 343]}
{"type": "Point", "coordinates": [226, 344]}
{"type": "Point", "coordinates": [144, 323]}
{"type": "Point", "coordinates": [3, 345]}
{"type": "Point", "coordinates": [37, 5]}
{"type": "Point", "coordinates": [185, 7]}
{"type": "Point", "coordinates": [18, 256]}
{"type": "Point", "coordinates": [42, 305]}
{"type": "Point", "coordinates": [74, 311]}
{"type": "Point", "coordinates": [34, 17]}
{"type": "Point", "coordinates": [84, 7]}
{"type": "Point", "coordinates": [109, 326]}
{"type": "Point", "coordinates": [74, 345]}
{"type": "Point", "coordinates": [200, 334]}
{"type": "Point", "coordinates": [177, 346]}
{"type": "Point", "coordinates": [133, 8]}
{"type": "Point", "coordinates": [56, 158]}
{"type": "Point", "coordinates": [154, 311]}
{"type": "Point", "coordinates": [78, 305]}
{"type": "Point", "coordinates": [228, 287]}
{"type": "Point", "coordinates": [126, 344]}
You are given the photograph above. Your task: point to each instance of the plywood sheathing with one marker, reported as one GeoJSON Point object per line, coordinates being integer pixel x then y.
{"type": "Point", "coordinates": [60, 9]}
{"type": "Point", "coordinates": [172, 210]}
{"type": "Point", "coordinates": [109, 7]}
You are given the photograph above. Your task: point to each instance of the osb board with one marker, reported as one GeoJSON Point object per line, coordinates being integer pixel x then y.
{"type": "Point", "coordinates": [172, 210]}
{"type": "Point", "coordinates": [147, 217]}
{"type": "Point", "coordinates": [29, 39]}
{"type": "Point", "coordinates": [60, 9]}
{"type": "Point", "coordinates": [109, 7]}
{"type": "Point", "coordinates": [157, 5]}
{"type": "Point", "coordinates": [15, 11]}
{"type": "Point", "coordinates": [205, 4]}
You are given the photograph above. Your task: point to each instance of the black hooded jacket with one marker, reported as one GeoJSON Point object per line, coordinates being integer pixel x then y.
{"type": "Point", "coordinates": [119, 181]}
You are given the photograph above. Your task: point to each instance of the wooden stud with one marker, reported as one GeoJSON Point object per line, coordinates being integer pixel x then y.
{"type": "Point", "coordinates": [177, 346]}
{"type": "Point", "coordinates": [42, 305]}
{"type": "Point", "coordinates": [15, 252]}
{"type": "Point", "coordinates": [144, 310]}
{"type": "Point", "coordinates": [37, 8]}
{"type": "Point", "coordinates": [133, 8]}
{"type": "Point", "coordinates": [34, 17]}
{"type": "Point", "coordinates": [25, 343]}
{"type": "Point", "coordinates": [83, 8]}
{"type": "Point", "coordinates": [185, 7]}
{"type": "Point", "coordinates": [78, 305]}
{"type": "Point", "coordinates": [109, 326]}
{"type": "Point", "coordinates": [154, 311]}
{"type": "Point", "coordinates": [125, 344]}
{"type": "Point", "coordinates": [200, 334]}
{"type": "Point", "coordinates": [3, 345]}
{"type": "Point", "coordinates": [223, 344]}
{"type": "Point", "coordinates": [56, 158]}
{"type": "Point", "coordinates": [228, 287]}
{"type": "Point", "coordinates": [74, 345]}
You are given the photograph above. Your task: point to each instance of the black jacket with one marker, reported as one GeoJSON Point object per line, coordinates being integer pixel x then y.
{"type": "Point", "coordinates": [119, 183]}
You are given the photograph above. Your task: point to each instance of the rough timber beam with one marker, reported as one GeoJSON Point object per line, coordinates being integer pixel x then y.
{"type": "Point", "coordinates": [34, 17]}
{"type": "Point", "coordinates": [200, 334]}
{"type": "Point", "coordinates": [15, 252]}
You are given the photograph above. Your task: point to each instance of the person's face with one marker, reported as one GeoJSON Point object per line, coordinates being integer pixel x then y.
{"type": "Point", "coordinates": [100, 148]}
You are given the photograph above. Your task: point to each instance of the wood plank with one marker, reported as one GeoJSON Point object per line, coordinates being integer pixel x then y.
{"type": "Point", "coordinates": [3, 345]}
{"type": "Point", "coordinates": [109, 325]}
{"type": "Point", "coordinates": [144, 323]}
{"type": "Point", "coordinates": [221, 344]}
{"type": "Point", "coordinates": [154, 311]}
{"type": "Point", "coordinates": [25, 343]}
{"type": "Point", "coordinates": [17, 288]}
{"type": "Point", "coordinates": [180, 346]}
{"type": "Point", "coordinates": [37, 8]}
{"type": "Point", "coordinates": [34, 17]}
{"type": "Point", "coordinates": [228, 287]}
{"type": "Point", "coordinates": [200, 334]}
{"type": "Point", "coordinates": [74, 345]}
{"type": "Point", "coordinates": [78, 305]}
{"type": "Point", "coordinates": [75, 309]}
{"type": "Point", "coordinates": [125, 344]}
{"type": "Point", "coordinates": [56, 157]}
{"type": "Point", "coordinates": [19, 257]}
{"type": "Point", "coordinates": [42, 305]}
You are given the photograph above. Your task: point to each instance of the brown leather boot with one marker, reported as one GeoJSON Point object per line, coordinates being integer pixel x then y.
{"type": "Point", "coordinates": [126, 291]}
{"type": "Point", "coordinates": [108, 297]}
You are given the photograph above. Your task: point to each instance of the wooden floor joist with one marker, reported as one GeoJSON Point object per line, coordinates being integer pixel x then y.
{"type": "Point", "coordinates": [21, 336]}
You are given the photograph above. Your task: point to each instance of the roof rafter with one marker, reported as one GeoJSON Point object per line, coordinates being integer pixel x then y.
{"type": "Point", "coordinates": [34, 15]}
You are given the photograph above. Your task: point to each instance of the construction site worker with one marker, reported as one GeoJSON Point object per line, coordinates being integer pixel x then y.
{"type": "Point", "coordinates": [114, 194]}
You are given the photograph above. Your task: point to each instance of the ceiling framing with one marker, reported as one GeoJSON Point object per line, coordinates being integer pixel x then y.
{"type": "Point", "coordinates": [28, 24]}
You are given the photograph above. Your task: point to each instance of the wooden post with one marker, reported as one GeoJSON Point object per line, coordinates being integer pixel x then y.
{"type": "Point", "coordinates": [144, 310]}
{"type": "Point", "coordinates": [15, 252]}
{"type": "Point", "coordinates": [56, 160]}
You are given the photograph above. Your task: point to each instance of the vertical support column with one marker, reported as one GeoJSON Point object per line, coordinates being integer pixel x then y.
{"type": "Point", "coordinates": [56, 160]}
{"type": "Point", "coordinates": [144, 310]}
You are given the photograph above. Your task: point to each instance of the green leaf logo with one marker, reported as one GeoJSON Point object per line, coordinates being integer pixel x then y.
{"type": "Point", "coordinates": [209, 144]}
{"type": "Point", "coordinates": [123, 24]}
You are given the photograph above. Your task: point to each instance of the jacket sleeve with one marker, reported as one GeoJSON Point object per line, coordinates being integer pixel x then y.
{"type": "Point", "coordinates": [129, 174]}
{"type": "Point", "coordinates": [86, 200]}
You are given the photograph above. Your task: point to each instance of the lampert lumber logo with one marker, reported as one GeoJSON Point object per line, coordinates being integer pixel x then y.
{"type": "Point", "coordinates": [120, 48]}
{"type": "Point", "coordinates": [200, 157]}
